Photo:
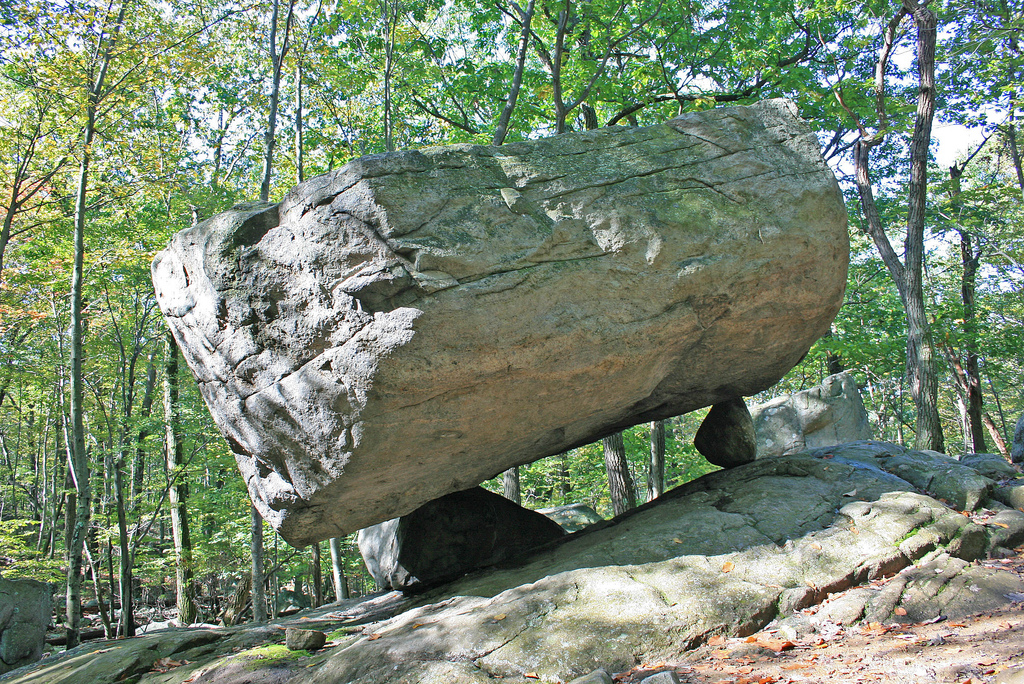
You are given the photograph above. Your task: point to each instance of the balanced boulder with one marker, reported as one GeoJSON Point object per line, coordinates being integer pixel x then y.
{"type": "Point", "coordinates": [450, 536]}
{"type": "Point", "coordinates": [416, 322]}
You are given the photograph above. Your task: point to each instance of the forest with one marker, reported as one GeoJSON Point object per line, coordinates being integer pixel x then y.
{"type": "Point", "coordinates": [125, 121]}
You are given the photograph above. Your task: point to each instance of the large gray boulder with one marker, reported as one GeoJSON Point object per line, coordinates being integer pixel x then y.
{"type": "Point", "coordinates": [450, 536]}
{"type": "Point", "coordinates": [824, 415]}
{"type": "Point", "coordinates": [414, 323]}
{"type": "Point", "coordinates": [24, 615]}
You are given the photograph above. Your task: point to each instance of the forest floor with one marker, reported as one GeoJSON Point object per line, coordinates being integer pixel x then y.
{"type": "Point", "coordinates": [974, 650]}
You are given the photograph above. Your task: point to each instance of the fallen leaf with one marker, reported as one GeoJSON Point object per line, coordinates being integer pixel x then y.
{"type": "Point", "coordinates": [777, 645]}
{"type": "Point", "coordinates": [816, 545]}
{"type": "Point", "coordinates": [374, 637]}
{"type": "Point", "coordinates": [728, 566]}
{"type": "Point", "coordinates": [720, 654]}
{"type": "Point", "coordinates": [854, 529]}
{"type": "Point", "coordinates": [499, 617]}
{"type": "Point", "coordinates": [677, 540]}
{"type": "Point", "coordinates": [957, 624]}
{"type": "Point", "coordinates": [851, 493]}
{"type": "Point", "coordinates": [796, 666]}
{"type": "Point", "coordinates": [1003, 525]}
{"type": "Point", "coordinates": [531, 675]}
{"type": "Point", "coordinates": [900, 610]}
{"type": "Point", "coordinates": [716, 640]}
{"type": "Point", "coordinates": [750, 640]}
{"type": "Point", "coordinates": [986, 662]}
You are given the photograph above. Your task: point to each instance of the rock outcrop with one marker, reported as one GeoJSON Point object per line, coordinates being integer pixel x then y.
{"type": "Point", "coordinates": [722, 556]}
{"type": "Point", "coordinates": [445, 538]}
{"type": "Point", "coordinates": [572, 517]}
{"type": "Point", "coordinates": [414, 323]}
{"type": "Point", "coordinates": [829, 413]}
{"type": "Point", "coordinates": [24, 616]}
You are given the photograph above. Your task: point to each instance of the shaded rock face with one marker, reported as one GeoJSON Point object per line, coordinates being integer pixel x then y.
{"type": "Point", "coordinates": [726, 437]}
{"type": "Point", "coordinates": [417, 322]}
{"type": "Point", "coordinates": [24, 615]}
{"type": "Point", "coordinates": [450, 536]}
{"type": "Point", "coordinates": [830, 413]}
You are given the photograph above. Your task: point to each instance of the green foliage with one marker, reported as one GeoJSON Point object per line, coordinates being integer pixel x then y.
{"type": "Point", "coordinates": [18, 558]}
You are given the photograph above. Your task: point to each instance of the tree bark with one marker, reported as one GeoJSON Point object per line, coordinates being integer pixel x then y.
{"type": "Point", "coordinates": [656, 464]}
{"type": "Point", "coordinates": [510, 481]}
{"type": "Point", "coordinates": [338, 570]}
{"type": "Point", "coordinates": [317, 577]}
{"type": "Point", "coordinates": [277, 61]}
{"type": "Point", "coordinates": [908, 275]}
{"type": "Point", "coordinates": [259, 594]}
{"type": "Point", "coordinates": [620, 482]}
{"type": "Point", "coordinates": [501, 130]}
{"type": "Point", "coordinates": [177, 491]}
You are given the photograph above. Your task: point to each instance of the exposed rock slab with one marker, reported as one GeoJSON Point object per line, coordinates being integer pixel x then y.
{"type": "Point", "coordinates": [830, 413]}
{"type": "Point", "coordinates": [723, 555]}
{"type": "Point", "coordinates": [417, 322]}
{"type": "Point", "coordinates": [450, 536]}
{"type": "Point", "coordinates": [572, 517]}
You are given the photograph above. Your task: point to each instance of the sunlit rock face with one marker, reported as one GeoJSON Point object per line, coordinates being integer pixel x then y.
{"type": "Point", "coordinates": [417, 322]}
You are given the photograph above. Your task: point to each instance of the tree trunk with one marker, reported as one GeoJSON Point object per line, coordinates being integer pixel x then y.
{"type": "Point", "coordinates": [259, 595]}
{"type": "Point", "coordinates": [177, 491]}
{"type": "Point", "coordinates": [907, 275]}
{"type": "Point", "coordinates": [620, 483]}
{"type": "Point", "coordinates": [317, 578]}
{"type": "Point", "coordinates": [299, 170]}
{"type": "Point", "coordinates": [656, 464]}
{"type": "Point", "coordinates": [510, 480]}
{"type": "Point", "coordinates": [139, 463]}
{"type": "Point", "coordinates": [501, 130]}
{"type": "Point", "coordinates": [277, 61]}
{"type": "Point", "coordinates": [338, 570]}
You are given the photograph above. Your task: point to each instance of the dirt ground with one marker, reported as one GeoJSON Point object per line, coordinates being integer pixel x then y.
{"type": "Point", "coordinates": [983, 648]}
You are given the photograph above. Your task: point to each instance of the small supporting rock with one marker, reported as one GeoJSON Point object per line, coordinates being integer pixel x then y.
{"type": "Point", "coordinates": [726, 437]}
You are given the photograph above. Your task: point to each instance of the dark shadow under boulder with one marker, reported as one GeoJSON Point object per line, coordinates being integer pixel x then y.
{"type": "Point", "coordinates": [450, 536]}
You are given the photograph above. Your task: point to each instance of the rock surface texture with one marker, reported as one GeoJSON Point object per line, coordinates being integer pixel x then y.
{"type": "Point", "coordinates": [414, 323]}
{"type": "Point", "coordinates": [450, 536]}
{"type": "Point", "coordinates": [809, 543]}
{"type": "Point", "coordinates": [24, 615]}
{"type": "Point", "coordinates": [830, 413]}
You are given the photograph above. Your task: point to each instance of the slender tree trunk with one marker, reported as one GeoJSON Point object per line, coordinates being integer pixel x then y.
{"type": "Point", "coordinates": [317, 577]}
{"type": "Point", "coordinates": [299, 171]}
{"type": "Point", "coordinates": [390, 11]}
{"type": "Point", "coordinates": [79, 466]}
{"type": "Point", "coordinates": [338, 570]}
{"type": "Point", "coordinates": [177, 491]}
{"type": "Point", "coordinates": [510, 480]}
{"type": "Point", "coordinates": [908, 275]}
{"type": "Point", "coordinates": [139, 463]}
{"type": "Point", "coordinates": [259, 594]}
{"type": "Point", "coordinates": [126, 624]}
{"type": "Point", "coordinates": [620, 482]}
{"type": "Point", "coordinates": [656, 464]}
{"type": "Point", "coordinates": [501, 130]}
{"type": "Point", "coordinates": [277, 61]}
